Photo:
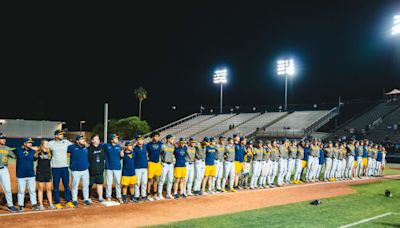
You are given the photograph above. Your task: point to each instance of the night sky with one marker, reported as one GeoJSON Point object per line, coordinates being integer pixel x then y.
{"type": "Point", "coordinates": [64, 62]}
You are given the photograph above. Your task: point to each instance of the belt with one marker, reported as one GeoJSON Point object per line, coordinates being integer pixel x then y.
{"type": "Point", "coordinates": [190, 163]}
{"type": "Point", "coordinates": [169, 163]}
{"type": "Point", "coordinates": [228, 161]}
{"type": "Point", "coordinates": [2, 167]}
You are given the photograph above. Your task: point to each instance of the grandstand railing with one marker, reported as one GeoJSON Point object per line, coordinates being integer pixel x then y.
{"type": "Point", "coordinates": [321, 121]}
{"type": "Point", "coordinates": [184, 119]}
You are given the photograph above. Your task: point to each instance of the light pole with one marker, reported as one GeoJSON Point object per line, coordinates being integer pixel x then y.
{"type": "Point", "coordinates": [80, 126]}
{"type": "Point", "coordinates": [285, 67]}
{"type": "Point", "coordinates": [220, 77]}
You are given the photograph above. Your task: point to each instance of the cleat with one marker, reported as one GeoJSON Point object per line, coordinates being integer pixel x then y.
{"type": "Point", "coordinates": [176, 196]}
{"type": "Point", "coordinates": [156, 198]}
{"type": "Point", "coordinates": [52, 207]}
{"type": "Point", "coordinates": [161, 197]}
{"type": "Point", "coordinates": [12, 209]}
{"type": "Point", "coordinates": [87, 202]}
{"type": "Point", "coordinates": [190, 194]}
{"type": "Point", "coordinates": [101, 200]}
{"type": "Point", "coordinates": [70, 205]}
{"type": "Point", "coordinates": [58, 206]}
{"type": "Point", "coordinates": [149, 199]}
{"type": "Point", "coordinates": [223, 190]}
{"type": "Point", "coordinates": [20, 208]}
{"type": "Point", "coordinates": [169, 196]}
{"type": "Point", "coordinates": [233, 190]}
{"type": "Point", "coordinates": [36, 208]}
{"type": "Point", "coordinates": [184, 196]}
{"type": "Point", "coordinates": [75, 204]}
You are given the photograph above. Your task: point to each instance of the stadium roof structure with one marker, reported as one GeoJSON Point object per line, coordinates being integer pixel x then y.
{"type": "Point", "coordinates": [393, 92]}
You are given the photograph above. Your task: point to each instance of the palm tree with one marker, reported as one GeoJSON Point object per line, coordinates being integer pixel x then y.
{"type": "Point", "coordinates": [141, 95]}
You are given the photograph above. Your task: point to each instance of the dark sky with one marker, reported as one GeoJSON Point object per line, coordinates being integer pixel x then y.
{"type": "Point", "coordinates": [63, 62]}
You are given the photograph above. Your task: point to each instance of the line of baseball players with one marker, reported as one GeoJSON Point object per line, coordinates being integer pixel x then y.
{"type": "Point", "coordinates": [187, 167]}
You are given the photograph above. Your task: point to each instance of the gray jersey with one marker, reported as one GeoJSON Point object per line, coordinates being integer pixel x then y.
{"type": "Point", "coordinates": [329, 152]}
{"type": "Point", "coordinates": [167, 153]}
{"type": "Point", "coordinates": [314, 150]}
{"type": "Point", "coordinates": [59, 153]}
{"type": "Point", "coordinates": [351, 150]}
{"type": "Point", "coordinates": [274, 154]}
{"type": "Point", "coordinates": [293, 152]}
{"type": "Point", "coordinates": [5, 153]}
{"type": "Point", "coordinates": [374, 153]}
{"type": "Point", "coordinates": [336, 152]}
{"type": "Point", "coordinates": [229, 153]}
{"type": "Point", "coordinates": [258, 154]}
{"type": "Point", "coordinates": [300, 153]}
{"type": "Point", "coordinates": [283, 152]}
{"type": "Point", "coordinates": [191, 153]}
{"type": "Point", "coordinates": [360, 151]}
{"type": "Point", "coordinates": [220, 152]}
{"type": "Point", "coordinates": [200, 153]}
{"type": "Point", "coordinates": [267, 154]}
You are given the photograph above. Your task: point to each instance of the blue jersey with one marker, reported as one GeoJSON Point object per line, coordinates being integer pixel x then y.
{"type": "Point", "coordinates": [154, 149]}
{"type": "Point", "coordinates": [365, 152]}
{"type": "Point", "coordinates": [306, 150]}
{"type": "Point", "coordinates": [379, 157]}
{"type": "Point", "coordinates": [113, 156]}
{"type": "Point", "coordinates": [128, 164]}
{"type": "Point", "coordinates": [210, 155]}
{"type": "Point", "coordinates": [79, 159]}
{"type": "Point", "coordinates": [140, 157]}
{"type": "Point", "coordinates": [239, 152]}
{"type": "Point", "coordinates": [180, 156]}
{"type": "Point", "coordinates": [356, 153]}
{"type": "Point", "coordinates": [321, 157]}
{"type": "Point", "coordinates": [25, 159]}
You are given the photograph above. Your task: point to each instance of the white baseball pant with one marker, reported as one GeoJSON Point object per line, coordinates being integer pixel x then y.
{"type": "Point", "coordinates": [167, 172]}
{"type": "Point", "coordinates": [283, 164]}
{"type": "Point", "coordinates": [273, 172]}
{"type": "Point", "coordinates": [116, 176]}
{"type": "Point", "coordinates": [200, 168]}
{"type": "Point", "coordinates": [290, 167]}
{"type": "Point", "coordinates": [189, 177]}
{"type": "Point", "coordinates": [229, 171]}
{"type": "Point", "coordinates": [77, 176]}
{"type": "Point", "coordinates": [328, 168]}
{"type": "Point", "coordinates": [256, 172]}
{"type": "Point", "coordinates": [141, 182]}
{"type": "Point", "coordinates": [6, 185]}
{"type": "Point", "coordinates": [22, 183]}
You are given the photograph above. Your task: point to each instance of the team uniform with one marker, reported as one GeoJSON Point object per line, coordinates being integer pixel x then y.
{"type": "Point", "coordinates": [6, 153]}
{"type": "Point", "coordinates": [26, 176]}
{"type": "Point", "coordinates": [128, 172]}
{"type": "Point", "coordinates": [291, 163]}
{"type": "Point", "coordinates": [190, 172]}
{"type": "Point", "coordinates": [239, 157]}
{"type": "Point", "coordinates": [79, 165]}
{"type": "Point", "coordinates": [299, 164]}
{"type": "Point", "coordinates": [180, 162]}
{"type": "Point", "coordinates": [154, 166]}
{"type": "Point", "coordinates": [335, 163]}
{"type": "Point", "coordinates": [258, 163]}
{"type": "Point", "coordinates": [167, 173]}
{"type": "Point", "coordinates": [219, 167]}
{"type": "Point", "coordinates": [312, 162]}
{"type": "Point", "coordinates": [229, 168]}
{"type": "Point", "coordinates": [141, 166]}
{"type": "Point", "coordinates": [351, 152]}
{"type": "Point", "coordinates": [329, 151]}
{"type": "Point", "coordinates": [283, 164]}
{"type": "Point", "coordinates": [360, 166]}
{"type": "Point", "coordinates": [274, 166]}
{"type": "Point", "coordinates": [113, 169]}
{"type": "Point", "coordinates": [266, 165]}
{"type": "Point", "coordinates": [199, 166]}
{"type": "Point", "coordinates": [321, 162]}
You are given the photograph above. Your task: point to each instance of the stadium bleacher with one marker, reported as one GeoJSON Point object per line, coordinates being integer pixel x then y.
{"type": "Point", "coordinates": [385, 129]}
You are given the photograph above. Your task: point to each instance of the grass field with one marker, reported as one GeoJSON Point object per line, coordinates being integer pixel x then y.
{"type": "Point", "coordinates": [369, 201]}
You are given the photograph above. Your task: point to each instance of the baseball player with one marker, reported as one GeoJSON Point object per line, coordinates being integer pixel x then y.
{"type": "Point", "coordinates": [79, 165]}
{"type": "Point", "coordinates": [248, 157]}
{"type": "Point", "coordinates": [328, 160]}
{"type": "Point", "coordinates": [43, 173]}
{"type": "Point", "coordinates": [382, 171]}
{"type": "Point", "coordinates": [6, 153]}
{"type": "Point", "coordinates": [128, 178]}
{"type": "Point", "coordinates": [335, 162]}
{"type": "Point", "coordinates": [240, 150]}
{"type": "Point", "coordinates": [209, 173]}
{"type": "Point", "coordinates": [113, 167]}
{"type": "Point", "coordinates": [219, 164]}
{"type": "Point", "coordinates": [374, 156]}
{"type": "Point", "coordinates": [359, 151]}
{"type": "Point", "coordinates": [154, 170]}
{"type": "Point", "coordinates": [378, 167]}
{"type": "Point", "coordinates": [266, 165]}
{"type": "Point", "coordinates": [190, 159]}
{"type": "Point", "coordinates": [283, 160]}
{"type": "Point", "coordinates": [291, 161]}
{"type": "Point", "coordinates": [321, 162]}
{"type": "Point", "coordinates": [26, 174]}
{"type": "Point", "coordinates": [229, 169]}
{"type": "Point", "coordinates": [351, 152]}
{"type": "Point", "coordinates": [313, 160]}
{"type": "Point", "coordinates": [344, 161]}
{"type": "Point", "coordinates": [180, 168]}
{"type": "Point", "coordinates": [275, 163]}
{"type": "Point", "coordinates": [141, 166]}
{"type": "Point", "coordinates": [200, 165]}
{"type": "Point", "coordinates": [258, 162]}
{"type": "Point", "coordinates": [370, 164]}
{"type": "Point", "coordinates": [366, 150]}
{"type": "Point", "coordinates": [59, 168]}
{"type": "Point", "coordinates": [167, 171]}
{"type": "Point", "coordinates": [306, 147]}
{"type": "Point", "coordinates": [299, 164]}
{"type": "Point", "coordinates": [96, 155]}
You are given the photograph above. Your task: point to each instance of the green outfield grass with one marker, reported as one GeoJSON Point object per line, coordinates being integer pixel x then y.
{"type": "Point", "coordinates": [369, 201]}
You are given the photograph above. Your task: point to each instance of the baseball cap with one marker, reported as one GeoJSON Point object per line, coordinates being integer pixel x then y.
{"type": "Point", "coordinates": [154, 133]}
{"type": "Point", "coordinates": [222, 138]}
{"type": "Point", "coordinates": [28, 140]}
{"type": "Point", "coordinates": [182, 140]}
{"type": "Point", "coordinates": [242, 138]}
{"type": "Point", "coordinates": [129, 143]}
{"type": "Point", "coordinates": [169, 136]}
{"type": "Point", "coordinates": [58, 132]}
{"type": "Point", "coordinates": [113, 136]}
{"type": "Point", "coordinates": [206, 139]}
{"type": "Point", "coordinates": [79, 137]}
{"type": "Point", "coordinates": [212, 139]}
{"type": "Point", "coordinates": [137, 137]}
{"type": "Point", "coordinates": [192, 140]}
{"type": "Point", "coordinates": [229, 138]}
{"type": "Point", "coordinates": [3, 136]}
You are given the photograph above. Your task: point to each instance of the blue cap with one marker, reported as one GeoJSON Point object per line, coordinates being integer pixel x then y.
{"type": "Point", "coordinates": [79, 137]}
{"type": "Point", "coordinates": [221, 137]}
{"type": "Point", "coordinates": [137, 137]}
{"type": "Point", "coordinates": [128, 143]}
{"type": "Point", "coordinates": [182, 140]}
{"type": "Point", "coordinates": [206, 139]}
{"type": "Point", "coordinates": [58, 132]}
{"type": "Point", "coordinates": [28, 140]}
{"type": "Point", "coordinates": [242, 138]}
{"type": "Point", "coordinates": [229, 138]}
{"type": "Point", "coordinates": [169, 136]}
{"type": "Point", "coordinates": [113, 136]}
{"type": "Point", "coordinates": [192, 139]}
{"type": "Point", "coordinates": [3, 136]}
{"type": "Point", "coordinates": [235, 135]}
{"type": "Point", "coordinates": [212, 139]}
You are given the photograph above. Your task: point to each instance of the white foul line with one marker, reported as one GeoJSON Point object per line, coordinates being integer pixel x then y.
{"type": "Point", "coordinates": [367, 220]}
{"type": "Point", "coordinates": [35, 212]}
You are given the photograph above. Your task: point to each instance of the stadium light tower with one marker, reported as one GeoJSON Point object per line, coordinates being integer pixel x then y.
{"type": "Point", "coordinates": [396, 25]}
{"type": "Point", "coordinates": [286, 68]}
{"type": "Point", "coordinates": [220, 77]}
